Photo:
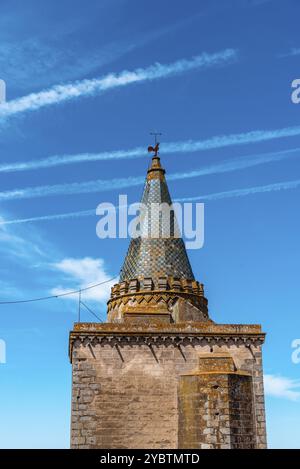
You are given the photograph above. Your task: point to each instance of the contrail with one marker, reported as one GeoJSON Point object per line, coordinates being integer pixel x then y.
{"type": "Point", "coordinates": [60, 160]}
{"type": "Point", "coordinates": [55, 216]}
{"type": "Point", "coordinates": [278, 186]}
{"type": "Point", "coordinates": [98, 185]}
{"type": "Point", "coordinates": [236, 164]}
{"type": "Point", "coordinates": [214, 196]}
{"type": "Point", "coordinates": [188, 146]}
{"type": "Point", "coordinates": [62, 93]}
{"type": "Point", "coordinates": [102, 185]}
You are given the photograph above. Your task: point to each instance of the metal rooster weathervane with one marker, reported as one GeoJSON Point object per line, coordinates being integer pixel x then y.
{"type": "Point", "coordinates": [154, 149]}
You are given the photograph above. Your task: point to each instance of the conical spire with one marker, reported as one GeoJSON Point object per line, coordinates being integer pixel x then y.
{"type": "Point", "coordinates": [157, 252]}
{"type": "Point", "coordinates": [156, 282]}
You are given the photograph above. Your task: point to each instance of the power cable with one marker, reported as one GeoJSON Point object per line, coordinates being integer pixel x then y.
{"type": "Point", "coordinates": [42, 298]}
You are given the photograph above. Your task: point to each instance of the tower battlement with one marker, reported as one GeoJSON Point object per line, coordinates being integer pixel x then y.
{"type": "Point", "coordinates": [170, 298]}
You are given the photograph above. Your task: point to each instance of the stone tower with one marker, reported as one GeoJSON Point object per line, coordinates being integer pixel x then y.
{"type": "Point", "coordinates": [160, 373]}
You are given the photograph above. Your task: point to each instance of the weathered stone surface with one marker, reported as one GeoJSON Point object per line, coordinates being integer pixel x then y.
{"type": "Point", "coordinates": [128, 388]}
{"type": "Point", "coordinates": [215, 405]}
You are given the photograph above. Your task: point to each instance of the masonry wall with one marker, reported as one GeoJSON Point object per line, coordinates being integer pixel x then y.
{"type": "Point", "coordinates": [216, 406]}
{"type": "Point", "coordinates": [215, 411]}
{"type": "Point", "coordinates": [126, 396]}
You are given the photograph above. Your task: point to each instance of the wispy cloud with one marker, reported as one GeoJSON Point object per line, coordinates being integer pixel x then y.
{"type": "Point", "coordinates": [82, 273]}
{"type": "Point", "coordinates": [62, 93]}
{"type": "Point", "coordinates": [279, 386]}
{"type": "Point", "coordinates": [33, 62]}
{"type": "Point", "coordinates": [236, 164]}
{"type": "Point", "coordinates": [42, 61]}
{"type": "Point", "coordinates": [26, 250]}
{"type": "Point", "coordinates": [60, 160]}
{"type": "Point", "coordinates": [294, 51]}
{"type": "Point", "coordinates": [12, 245]}
{"type": "Point", "coordinates": [188, 146]}
{"type": "Point", "coordinates": [279, 186]}
{"type": "Point", "coordinates": [7, 291]}
{"type": "Point", "coordinates": [98, 185]}
{"type": "Point", "coordinates": [31, 57]}
{"type": "Point", "coordinates": [221, 141]}
{"type": "Point", "coordinates": [55, 216]}
{"type": "Point", "coordinates": [101, 185]}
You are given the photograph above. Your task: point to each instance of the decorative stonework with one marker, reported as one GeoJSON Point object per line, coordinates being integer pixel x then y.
{"type": "Point", "coordinates": [89, 334]}
{"type": "Point", "coordinates": [158, 295]}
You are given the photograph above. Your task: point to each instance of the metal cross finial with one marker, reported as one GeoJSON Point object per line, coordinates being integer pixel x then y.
{"type": "Point", "coordinates": [156, 134]}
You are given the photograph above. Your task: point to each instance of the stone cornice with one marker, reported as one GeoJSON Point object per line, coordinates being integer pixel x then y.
{"type": "Point", "coordinates": [186, 326]}
{"type": "Point", "coordinates": [173, 334]}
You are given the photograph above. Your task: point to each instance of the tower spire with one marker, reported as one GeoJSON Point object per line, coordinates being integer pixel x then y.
{"type": "Point", "coordinates": [156, 260]}
{"type": "Point", "coordinates": [158, 251]}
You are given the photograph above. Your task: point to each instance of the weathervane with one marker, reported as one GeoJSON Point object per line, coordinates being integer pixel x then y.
{"type": "Point", "coordinates": [156, 143]}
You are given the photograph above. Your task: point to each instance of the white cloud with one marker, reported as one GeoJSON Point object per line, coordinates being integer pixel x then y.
{"type": "Point", "coordinates": [66, 92]}
{"type": "Point", "coordinates": [81, 273]}
{"type": "Point", "coordinates": [279, 386]}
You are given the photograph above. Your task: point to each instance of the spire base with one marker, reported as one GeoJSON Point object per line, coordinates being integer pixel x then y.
{"type": "Point", "coordinates": [166, 299]}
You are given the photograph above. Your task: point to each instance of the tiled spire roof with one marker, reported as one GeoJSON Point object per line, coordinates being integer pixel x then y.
{"type": "Point", "coordinates": [163, 255]}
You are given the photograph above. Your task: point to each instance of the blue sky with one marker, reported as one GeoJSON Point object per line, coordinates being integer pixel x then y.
{"type": "Point", "coordinates": [86, 83]}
